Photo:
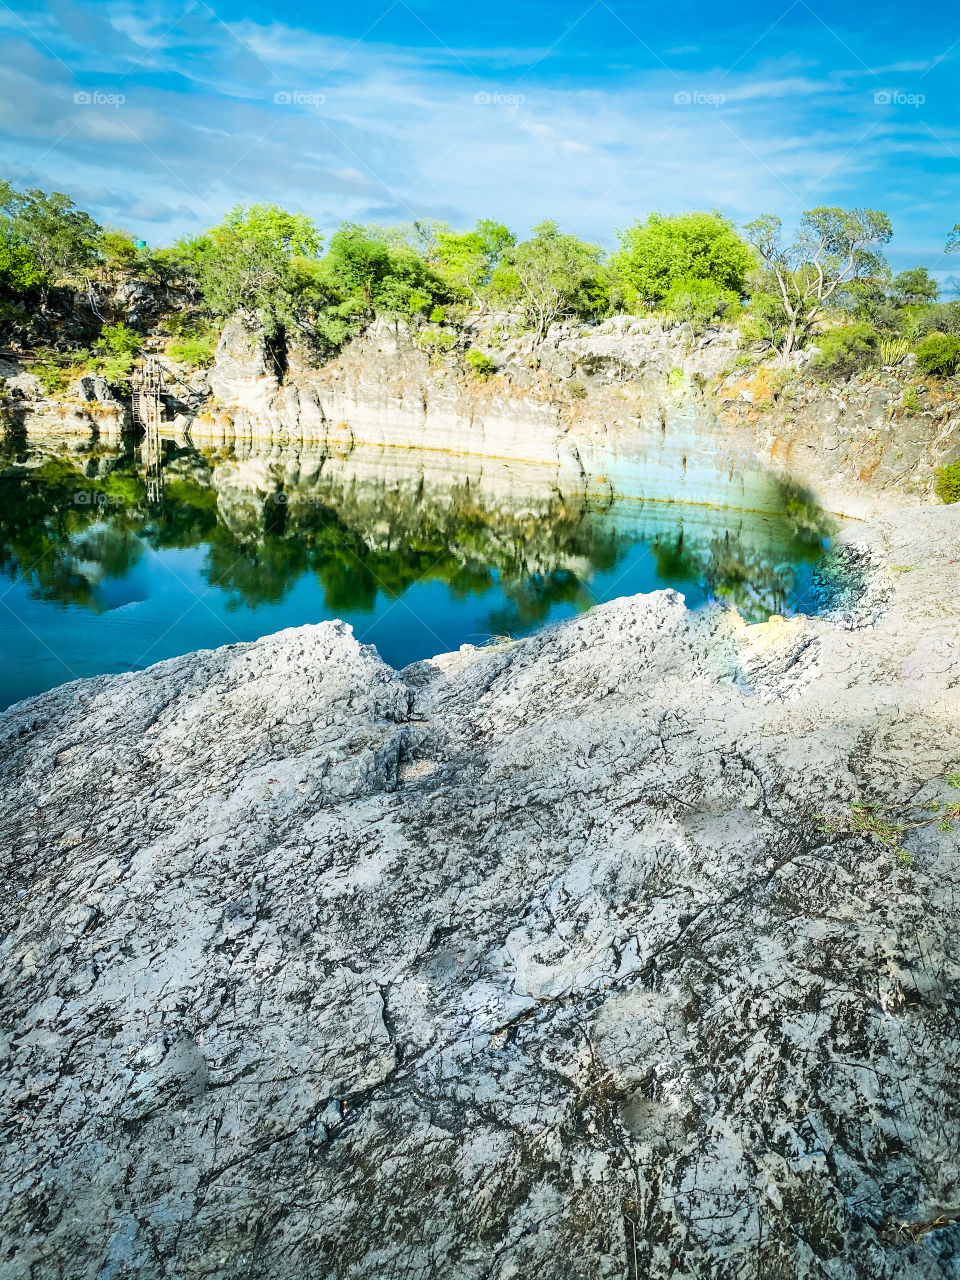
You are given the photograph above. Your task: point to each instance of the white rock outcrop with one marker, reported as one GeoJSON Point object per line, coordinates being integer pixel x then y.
{"type": "Point", "coordinates": [531, 960]}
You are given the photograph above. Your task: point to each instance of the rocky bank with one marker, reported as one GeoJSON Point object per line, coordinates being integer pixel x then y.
{"type": "Point", "coordinates": [531, 960]}
{"type": "Point", "coordinates": [656, 412]}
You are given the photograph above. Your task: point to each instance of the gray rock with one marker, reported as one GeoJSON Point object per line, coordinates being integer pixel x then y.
{"type": "Point", "coordinates": [242, 371]}
{"type": "Point", "coordinates": [531, 960]}
{"type": "Point", "coordinates": [94, 387]}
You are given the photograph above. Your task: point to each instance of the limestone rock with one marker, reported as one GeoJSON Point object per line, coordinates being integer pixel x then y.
{"type": "Point", "coordinates": [531, 960]}
{"type": "Point", "coordinates": [242, 371]}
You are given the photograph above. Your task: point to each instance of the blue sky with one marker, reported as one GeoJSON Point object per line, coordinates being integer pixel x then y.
{"type": "Point", "coordinates": [594, 113]}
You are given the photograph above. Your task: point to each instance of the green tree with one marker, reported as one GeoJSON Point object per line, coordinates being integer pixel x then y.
{"type": "Point", "coordinates": [118, 252]}
{"type": "Point", "coordinates": [833, 249]}
{"type": "Point", "coordinates": [355, 267]}
{"type": "Point", "coordinates": [915, 287]}
{"type": "Point", "coordinates": [551, 275]}
{"type": "Point", "coordinates": [361, 276]}
{"type": "Point", "coordinates": [658, 254]}
{"type": "Point", "coordinates": [953, 240]}
{"type": "Point", "coordinates": [469, 259]}
{"type": "Point", "coordinates": [62, 239]}
{"type": "Point", "coordinates": [245, 263]}
{"type": "Point", "coordinates": [21, 280]}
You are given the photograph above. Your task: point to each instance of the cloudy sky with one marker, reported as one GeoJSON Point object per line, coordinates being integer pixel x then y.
{"type": "Point", "coordinates": [594, 113]}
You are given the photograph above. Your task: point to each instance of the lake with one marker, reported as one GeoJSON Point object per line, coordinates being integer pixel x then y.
{"type": "Point", "coordinates": [419, 552]}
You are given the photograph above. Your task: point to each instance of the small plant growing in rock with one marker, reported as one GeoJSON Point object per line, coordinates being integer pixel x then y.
{"type": "Point", "coordinates": [889, 823]}
{"type": "Point", "coordinates": [436, 341]}
{"type": "Point", "coordinates": [480, 366]}
{"type": "Point", "coordinates": [946, 483]}
{"type": "Point", "coordinates": [893, 351]}
{"type": "Point", "coordinates": [576, 390]}
{"type": "Point", "coordinates": [912, 402]}
{"type": "Point", "coordinates": [676, 377]}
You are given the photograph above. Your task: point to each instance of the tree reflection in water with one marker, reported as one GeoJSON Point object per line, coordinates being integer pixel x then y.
{"type": "Point", "coordinates": [71, 521]}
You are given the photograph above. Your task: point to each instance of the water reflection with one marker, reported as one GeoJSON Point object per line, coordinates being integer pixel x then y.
{"type": "Point", "coordinates": [258, 540]}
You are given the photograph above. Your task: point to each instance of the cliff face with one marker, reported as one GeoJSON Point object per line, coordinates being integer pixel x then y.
{"type": "Point", "coordinates": [654, 412]}
{"type": "Point", "coordinates": [627, 401]}
{"type": "Point", "coordinates": [526, 961]}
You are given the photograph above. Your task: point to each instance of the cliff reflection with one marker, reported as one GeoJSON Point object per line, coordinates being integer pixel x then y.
{"type": "Point", "coordinates": [371, 526]}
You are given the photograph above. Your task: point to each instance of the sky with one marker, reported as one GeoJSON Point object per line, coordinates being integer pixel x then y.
{"type": "Point", "coordinates": [159, 118]}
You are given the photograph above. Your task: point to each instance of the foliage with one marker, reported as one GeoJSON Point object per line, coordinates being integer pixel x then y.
{"type": "Point", "coordinates": [480, 365]}
{"type": "Point", "coordinates": [700, 302]}
{"type": "Point", "coordinates": [194, 347]}
{"type": "Point", "coordinates": [469, 259]}
{"type": "Point", "coordinates": [118, 252]}
{"type": "Point", "coordinates": [846, 351]}
{"type": "Point", "coordinates": [946, 484]}
{"type": "Point", "coordinates": [21, 279]}
{"type": "Point", "coordinates": [551, 275]}
{"type": "Point", "coordinates": [61, 239]}
{"type": "Point", "coordinates": [915, 287]}
{"type": "Point", "coordinates": [939, 353]}
{"type": "Point", "coordinates": [55, 369]}
{"type": "Point", "coordinates": [888, 824]}
{"type": "Point", "coordinates": [893, 351]}
{"type": "Point", "coordinates": [657, 255]}
{"type": "Point", "coordinates": [912, 402]}
{"type": "Point", "coordinates": [244, 264]}
{"type": "Point", "coordinates": [436, 341]}
{"type": "Point", "coordinates": [361, 276]}
{"type": "Point", "coordinates": [833, 248]}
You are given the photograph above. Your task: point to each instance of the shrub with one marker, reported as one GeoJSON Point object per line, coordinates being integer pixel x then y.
{"type": "Point", "coordinates": [946, 484]}
{"type": "Point", "coordinates": [480, 365]}
{"type": "Point", "coordinates": [844, 352]}
{"type": "Point", "coordinates": [698, 302]}
{"type": "Point", "coordinates": [662, 252]}
{"type": "Point", "coordinates": [54, 369]}
{"type": "Point", "coordinates": [195, 349]}
{"type": "Point", "coordinates": [893, 351]}
{"type": "Point", "coordinates": [436, 341]}
{"type": "Point", "coordinates": [939, 353]}
{"type": "Point", "coordinates": [576, 390]}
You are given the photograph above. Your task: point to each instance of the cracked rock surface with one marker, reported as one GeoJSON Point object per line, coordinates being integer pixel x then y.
{"type": "Point", "coordinates": [526, 962]}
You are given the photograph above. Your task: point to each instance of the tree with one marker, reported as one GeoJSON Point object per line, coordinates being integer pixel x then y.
{"type": "Point", "coordinates": [953, 240]}
{"type": "Point", "coordinates": [656, 255]}
{"type": "Point", "coordinates": [356, 266]}
{"type": "Point", "coordinates": [245, 263]}
{"type": "Point", "coordinates": [21, 280]}
{"type": "Point", "coordinates": [62, 238]}
{"type": "Point", "coordinates": [469, 259]}
{"type": "Point", "coordinates": [553, 274]}
{"type": "Point", "coordinates": [915, 287]}
{"type": "Point", "coordinates": [833, 248]}
{"type": "Point", "coordinates": [118, 252]}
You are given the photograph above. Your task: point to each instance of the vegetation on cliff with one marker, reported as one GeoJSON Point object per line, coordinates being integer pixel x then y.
{"type": "Point", "coordinates": [82, 298]}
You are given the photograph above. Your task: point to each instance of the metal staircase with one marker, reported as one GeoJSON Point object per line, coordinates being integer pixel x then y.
{"type": "Point", "coordinates": [147, 411]}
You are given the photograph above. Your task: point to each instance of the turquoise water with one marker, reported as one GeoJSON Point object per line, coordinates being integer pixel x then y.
{"type": "Point", "coordinates": [420, 553]}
